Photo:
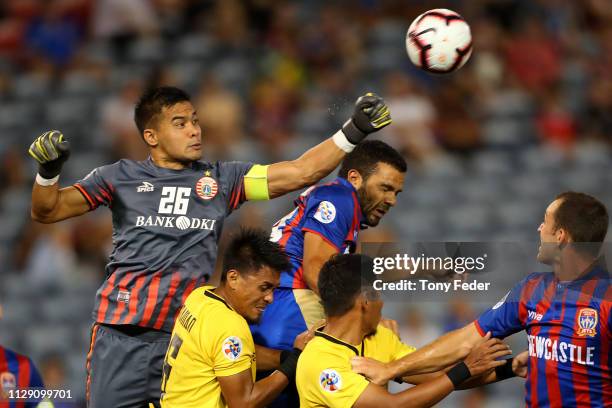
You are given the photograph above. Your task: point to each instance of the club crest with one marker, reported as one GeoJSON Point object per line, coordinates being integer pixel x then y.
{"type": "Point", "coordinates": [206, 188]}
{"type": "Point", "coordinates": [587, 322]}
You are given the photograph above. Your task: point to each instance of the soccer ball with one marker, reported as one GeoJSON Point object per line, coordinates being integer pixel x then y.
{"type": "Point", "coordinates": [439, 41]}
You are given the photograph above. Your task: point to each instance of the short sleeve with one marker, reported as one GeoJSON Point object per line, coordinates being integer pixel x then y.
{"type": "Point", "coordinates": [97, 187]}
{"type": "Point", "coordinates": [234, 350]}
{"type": "Point", "coordinates": [329, 214]}
{"type": "Point", "coordinates": [340, 388]}
{"type": "Point", "coordinates": [398, 348]}
{"type": "Point", "coordinates": [233, 173]}
{"type": "Point", "coordinates": [503, 319]}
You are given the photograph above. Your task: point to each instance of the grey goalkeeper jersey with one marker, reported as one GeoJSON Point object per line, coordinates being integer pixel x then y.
{"type": "Point", "coordinates": [166, 226]}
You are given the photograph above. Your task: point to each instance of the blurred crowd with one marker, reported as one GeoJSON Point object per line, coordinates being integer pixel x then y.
{"type": "Point", "coordinates": [488, 146]}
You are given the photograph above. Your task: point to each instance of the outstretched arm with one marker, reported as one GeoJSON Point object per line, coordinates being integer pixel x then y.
{"type": "Point", "coordinates": [370, 115]}
{"type": "Point", "coordinates": [436, 356]}
{"type": "Point", "coordinates": [480, 361]}
{"type": "Point", "coordinates": [49, 202]}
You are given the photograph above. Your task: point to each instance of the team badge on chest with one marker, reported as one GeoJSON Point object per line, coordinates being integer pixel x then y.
{"type": "Point", "coordinates": [587, 322]}
{"type": "Point", "coordinates": [206, 187]}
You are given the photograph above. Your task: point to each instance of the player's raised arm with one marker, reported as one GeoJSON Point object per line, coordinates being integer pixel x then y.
{"type": "Point", "coordinates": [370, 115]}
{"type": "Point", "coordinates": [49, 202]}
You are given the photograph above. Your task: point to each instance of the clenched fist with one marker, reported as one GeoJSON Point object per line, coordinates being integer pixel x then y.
{"type": "Point", "coordinates": [50, 150]}
{"type": "Point", "coordinates": [370, 115]}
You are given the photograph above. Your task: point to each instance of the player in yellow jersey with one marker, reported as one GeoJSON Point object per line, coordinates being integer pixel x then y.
{"type": "Point", "coordinates": [211, 358]}
{"type": "Point", "coordinates": [324, 376]}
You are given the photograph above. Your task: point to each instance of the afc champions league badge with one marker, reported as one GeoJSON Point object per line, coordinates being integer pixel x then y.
{"type": "Point", "coordinates": [330, 380]}
{"type": "Point", "coordinates": [587, 322]}
{"type": "Point", "coordinates": [232, 348]}
{"type": "Point", "coordinates": [326, 212]}
{"type": "Point", "coordinates": [207, 187]}
{"type": "Point", "coordinates": [7, 382]}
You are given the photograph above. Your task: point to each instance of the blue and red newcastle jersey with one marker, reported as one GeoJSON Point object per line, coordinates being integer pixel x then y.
{"type": "Point", "coordinates": [17, 372]}
{"type": "Point", "coordinates": [329, 210]}
{"type": "Point", "coordinates": [569, 333]}
{"type": "Point", "coordinates": [166, 226]}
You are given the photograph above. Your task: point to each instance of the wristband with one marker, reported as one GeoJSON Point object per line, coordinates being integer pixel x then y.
{"type": "Point", "coordinates": [505, 371]}
{"type": "Point", "coordinates": [40, 180]}
{"type": "Point", "coordinates": [459, 374]}
{"type": "Point", "coordinates": [288, 365]}
{"type": "Point", "coordinates": [342, 142]}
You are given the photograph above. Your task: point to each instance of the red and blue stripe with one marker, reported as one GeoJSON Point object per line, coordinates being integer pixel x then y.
{"type": "Point", "coordinates": [25, 373]}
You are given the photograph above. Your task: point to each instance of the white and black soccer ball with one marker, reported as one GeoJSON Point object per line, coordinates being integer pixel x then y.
{"type": "Point", "coordinates": [439, 41]}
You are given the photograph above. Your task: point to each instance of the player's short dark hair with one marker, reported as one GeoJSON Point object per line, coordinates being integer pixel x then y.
{"type": "Point", "coordinates": [366, 156]}
{"type": "Point", "coordinates": [342, 279]}
{"type": "Point", "coordinates": [584, 217]}
{"type": "Point", "coordinates": [153, 101]}
{"type": "Point", "coordinates": [251, 250]}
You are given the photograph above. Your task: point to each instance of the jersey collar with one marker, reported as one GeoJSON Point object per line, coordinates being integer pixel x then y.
{"type": "Point", "coordinates": [344, 182]}
{"type": "Point", "coordinates": [212, 295]}
{"type": "Point", "coordinates": [319, 333]}
{"type": "Point", "coordinates": [598, 270]}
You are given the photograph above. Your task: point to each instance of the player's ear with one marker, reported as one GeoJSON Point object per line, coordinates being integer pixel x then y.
{"type": "Point", "coordinates": [150, 137]}
{"type": "Point", "coordinates": [363, 303]}
{"type": "Point", "coordinates": [354, 177]}
{"type": "Point", "coordinates": [562, 236]}
{"type": "Point", "coordinates": [231, 278]}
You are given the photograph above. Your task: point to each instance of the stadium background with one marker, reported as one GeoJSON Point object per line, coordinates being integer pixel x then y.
{"type": "Point", "coordinates": [529, 116]}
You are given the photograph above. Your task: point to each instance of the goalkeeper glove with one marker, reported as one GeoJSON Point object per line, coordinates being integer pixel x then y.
{"type": "Point", "coordinates": [50, 150]}
{"type": "Point", "coordinates": [370, 115]}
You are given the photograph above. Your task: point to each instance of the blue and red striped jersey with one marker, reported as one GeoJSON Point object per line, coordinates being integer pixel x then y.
{"type": "Point", "coordinates": [17, 372]}
{"type": "Point", "coordinates": [568, 325]}
{"type": "Point", "coordinates": [166, 226]}
{"type": "Point", "coordinates": [329, 210]}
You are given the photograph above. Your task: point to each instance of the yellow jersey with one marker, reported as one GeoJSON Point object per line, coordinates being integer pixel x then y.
{"type": "Point", "coordinates": [324, 377]}
{"type": "Point", "coordinates": [209, 340]}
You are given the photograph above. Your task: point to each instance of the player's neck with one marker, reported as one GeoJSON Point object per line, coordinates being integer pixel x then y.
{"type": "Point", "coordinates": [573, 266]}
{"type": "Point", "coordinates": [225, 295]}
{"type": "Point", "coordinates": [168, 163]}
{"type": "Point", "coordinates": [345, 328]}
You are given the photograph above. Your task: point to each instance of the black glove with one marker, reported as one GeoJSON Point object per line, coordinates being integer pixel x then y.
{"type": "Point", "coordinates": [288, 365]}
{"type": "Point", "coordinates": [50, 150]}
{"type": "Point", "coordinates": [370, 115]}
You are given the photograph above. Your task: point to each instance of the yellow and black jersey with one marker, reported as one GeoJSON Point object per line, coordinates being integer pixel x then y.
{"type": "Point", "coordinates": [209, 340]}
{"type": "Point", "coordinates": [324, 376]}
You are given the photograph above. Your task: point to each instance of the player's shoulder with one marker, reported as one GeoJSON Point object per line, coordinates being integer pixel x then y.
{"type": "Point", "coordinates": [215, 312]}
{"type": "Point", "coordinates": [10, 355]}
{"type": "Point", "coordinates": [123, 166]}
{"type": "Point", "coordinates": [338, 192]}
{"type": "Point", "coordinates": [537, 277]}
{"type": "Point", "coordinates": [319, 354]}
{"type": "Point", "coordinates": [382, 335]}
{"type": "Point", "coordinates": [220, 168]}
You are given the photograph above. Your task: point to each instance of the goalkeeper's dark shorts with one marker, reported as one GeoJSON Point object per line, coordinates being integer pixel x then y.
{"type": "Point", "coordinates": [124, 366]}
